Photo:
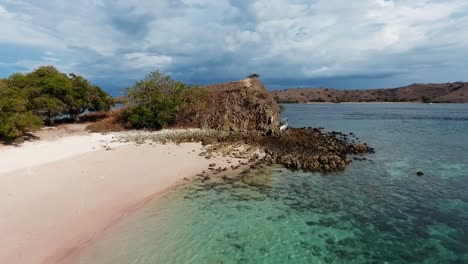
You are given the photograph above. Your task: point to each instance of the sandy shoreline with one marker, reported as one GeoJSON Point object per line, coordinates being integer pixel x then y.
{"type": "Point", "coordinates": [57, 196]}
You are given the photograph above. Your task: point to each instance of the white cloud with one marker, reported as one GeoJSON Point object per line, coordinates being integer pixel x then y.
{"type": "Point", "coordinates": [15, 29]}
{"type": "Point", "coordinates": [140, 60]}
{"type": "Point", "coordinates": [50, 59]}
{"type": "Point", "coordinates": [278, 38]}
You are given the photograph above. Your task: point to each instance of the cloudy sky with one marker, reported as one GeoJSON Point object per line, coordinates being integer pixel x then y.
{"type": "Point", "coordinates": [290, 43]}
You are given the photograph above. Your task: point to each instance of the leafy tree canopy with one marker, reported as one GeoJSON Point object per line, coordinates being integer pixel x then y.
{"type": "Point", "coordinates": [87, 97]}
{"type": "Point", "coordinates": [15, 118]}
{"type": "Point", "coordinates": [52, 94]}
{"type": "Point", "coordinates": [155, 101]}
{"type": "Point", "coordinates": [27, 100]}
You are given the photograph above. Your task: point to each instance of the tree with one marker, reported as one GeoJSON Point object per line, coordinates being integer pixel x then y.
{"type": "Point", "coordinates": [52, 94]}
{"type": "Point", "coordinates": [15, 119]}
{"type": "Point", "coordinates": [155, 101]}
{"type": "Point", "coordinates": [78, 105]}
{"type": "Point", "coordinates": [253, 75]}
{"type": "Point", "coordinates": [87, 97]}
{"type": "Point", "coordinates": [48, 91]}
{"type": "Point", "coordinates": [27, 100]}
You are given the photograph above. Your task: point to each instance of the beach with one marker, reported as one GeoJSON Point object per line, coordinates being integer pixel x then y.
{"type": "Point", "coordinates": [377, 210]}
{"type": "Point", "coordinates": [58, 195]}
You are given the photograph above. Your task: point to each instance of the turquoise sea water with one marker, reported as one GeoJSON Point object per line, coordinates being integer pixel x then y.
{"type": "Point", "coordinates": [377, 211]}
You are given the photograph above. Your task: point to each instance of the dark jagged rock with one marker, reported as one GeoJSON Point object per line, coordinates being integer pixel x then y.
{"type": "Point", "coordinates": [310, 149]}
{"type": "Point", "coordinates": [360, 148]}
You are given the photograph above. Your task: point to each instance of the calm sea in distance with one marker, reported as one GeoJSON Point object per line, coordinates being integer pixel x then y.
{"type": "Point", "coordinates": [376, 211]}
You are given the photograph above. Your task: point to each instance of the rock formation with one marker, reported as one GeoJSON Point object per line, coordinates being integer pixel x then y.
{"type": "Point", "coordinates": [240, 106]}
{"type": "Point", "coordinates": [245, 113]}
{"type": "Point", "coordinates": [308, 149]}
{"type": "Point", "coordinates": [311, 149]}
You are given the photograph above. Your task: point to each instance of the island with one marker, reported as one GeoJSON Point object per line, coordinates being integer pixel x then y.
{"type": "Point", "coordinates": [70, 167]}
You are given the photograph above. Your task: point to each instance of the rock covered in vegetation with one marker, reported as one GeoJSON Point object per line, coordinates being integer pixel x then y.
{"type": "Point", "coordinates": [241, 112]}
{"type": "Point", "coordinates": [160, 102]}
{"type": "Point", "coordinates": [240, 106]}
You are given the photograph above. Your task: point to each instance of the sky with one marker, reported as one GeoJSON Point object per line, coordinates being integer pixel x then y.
{"type": "Point", "coordinates": [297, 43]}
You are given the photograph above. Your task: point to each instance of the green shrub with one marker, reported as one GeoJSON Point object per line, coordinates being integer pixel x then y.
{"type": "Point", "coordinates": [15, 118]}
{"type": "Point", "coordinates": [13, 125]}
{"type": "Point", "coordinates": [155, 101]}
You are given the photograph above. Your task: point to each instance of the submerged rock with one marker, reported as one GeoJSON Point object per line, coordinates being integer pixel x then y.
{"type": "Point", "coordinates": [360, 148]}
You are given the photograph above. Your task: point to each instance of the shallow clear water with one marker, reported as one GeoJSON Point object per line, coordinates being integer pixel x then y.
{"type": "Point", "coordinates": [377, 211]}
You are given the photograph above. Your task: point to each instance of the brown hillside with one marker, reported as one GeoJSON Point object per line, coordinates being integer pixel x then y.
{"type": "Point", "coordinates": [459, 94]}
{"type": "Point", "coordinates": [241, 106]}
{"type": "Point", "coordinates": [443, 93]}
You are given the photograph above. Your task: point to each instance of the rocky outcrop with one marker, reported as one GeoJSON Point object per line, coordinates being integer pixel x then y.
{"type": "Point", "coordinates": [310, 149]}
{"type": "Point", "coordinates": [244, 113]}
{"type": "Point", "coordinates": [241, 106]}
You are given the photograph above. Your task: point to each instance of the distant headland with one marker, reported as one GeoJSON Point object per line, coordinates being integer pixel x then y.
{"type": "Point", "coordinates": [456, 92]}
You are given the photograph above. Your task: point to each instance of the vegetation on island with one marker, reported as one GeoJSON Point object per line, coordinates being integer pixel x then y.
{"type": "Point", "coordinates": [28, 101]}
{"type": "Point", "coordinates": [158, 101]}
{"type": "Point", "coordinates": [231, 113]}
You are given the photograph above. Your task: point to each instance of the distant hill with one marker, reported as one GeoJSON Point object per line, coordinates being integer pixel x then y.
{"type": "Point", "coordinates": [438, 93]}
